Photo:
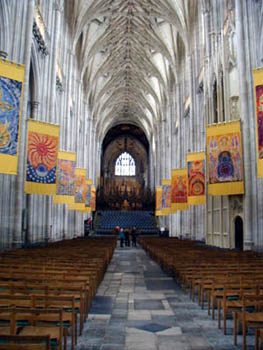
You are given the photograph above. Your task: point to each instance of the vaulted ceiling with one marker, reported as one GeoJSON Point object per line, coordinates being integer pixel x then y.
{"type": "Point", "coordinates": [129, 52]}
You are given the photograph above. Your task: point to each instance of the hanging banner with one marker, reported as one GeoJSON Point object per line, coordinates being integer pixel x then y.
{"type": "Point", "coordinates": [196, 178]}
{"type": "Point", "coordinates": [65, 178]}
{"type": "Point", "coordinates": [42, 154]}
{"type": "Point", "coordinates": [179, 190]}
{"type": "Point", "coordinates": [87, 208]}
{"type": "Point", "coordinates": [80, 190]}
{"type": "Point", "coordinates": [158, 202]}
{"type": "Point", "coordinates": [258, 86]}
{"type": "Point", "coordinates": [93, 198]}
{"type": "Point", "coordinates": [11, 92]}
{"type": "Point", "coordinates": [224, 159]}
{"type": "Point", "coordinates": [166, 197]}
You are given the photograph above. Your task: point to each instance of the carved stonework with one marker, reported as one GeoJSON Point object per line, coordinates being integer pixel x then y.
{"type": "Point", "coordinates": [236, 203]}
{"type": "Point", "coordinates": [40, 33]}
{"type": "Point", "coordinates": [206, 6]}
{"type": "Point", "coordinates": [58, 5]}
{"type": "Point", "coordinates": [234, 107]}
{"type": "Point", "coordinates": [59, 85]}
{"type": "Point", "coordinates": [229, 34]}
{"type": "Point", "coordinates": [230, 5]}
{"type": "Point", "coordinates": [40, 41]}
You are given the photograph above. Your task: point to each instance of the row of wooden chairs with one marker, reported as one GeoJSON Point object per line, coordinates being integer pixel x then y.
{"type": "Point", "coordinates": [229, 281]}
{"type": "Point", "coordinates": [47, 291]}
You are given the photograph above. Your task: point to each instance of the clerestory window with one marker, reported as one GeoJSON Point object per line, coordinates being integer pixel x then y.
{"type": "Point", "coordinates": [125, 165]}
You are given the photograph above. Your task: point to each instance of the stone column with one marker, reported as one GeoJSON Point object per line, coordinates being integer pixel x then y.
{"type": "Point", "coordinates": [20, 197]}
{"type": "Point", "coordinates": [247, 116]}
{"type": "Point", "coordinates": [52, 105]}
{"type": "Point", "coordinates": [30, 210]}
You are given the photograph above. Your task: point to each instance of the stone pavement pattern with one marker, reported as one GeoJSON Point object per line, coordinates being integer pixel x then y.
{"type": "Point", "coordinates": [139, 307]}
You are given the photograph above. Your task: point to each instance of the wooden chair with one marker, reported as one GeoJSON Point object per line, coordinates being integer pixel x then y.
{"type": "Point", "coordinates": [36, 322]}
{"type": "Point", "coordinates": [258, 336]}
{"type": "Point", "coordinates": [66, 303]}
{"type": "Point", "coordinates": [251, 316]}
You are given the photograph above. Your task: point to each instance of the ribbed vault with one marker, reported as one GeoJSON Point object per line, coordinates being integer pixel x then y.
{"type": "Point", "coordinates": [128, 53]}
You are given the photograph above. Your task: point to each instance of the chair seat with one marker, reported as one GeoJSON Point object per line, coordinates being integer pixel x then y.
{"type": "Point", "coordinates": [66, 316]}
{"type": "Point", "coordinates": [53, 332]}
{"type": "Point", "coordinates": [5, 331]}
{"type": "Point", "coordinates": [251, 316]}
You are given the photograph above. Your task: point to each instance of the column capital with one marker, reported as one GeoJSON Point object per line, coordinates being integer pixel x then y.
{"type": "Point", "coordinates": [35, 104]}
{"type": "Point", "coordinates": [206, 6]}
{"type": "Point", "coordinates": [3, 54]}
{"type": "Point", "coordinates": [58, 5]}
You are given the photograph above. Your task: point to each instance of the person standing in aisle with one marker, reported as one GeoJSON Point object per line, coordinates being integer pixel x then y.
{"type": "Point", "coordinates": [134, 236]}
{"type": "Point", "coordinates": [122, 237]}
{"type": "Point", "coordinates": [127, 237]}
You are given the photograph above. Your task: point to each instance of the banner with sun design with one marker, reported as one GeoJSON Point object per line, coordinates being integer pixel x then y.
{"type": "Point", "coordinates": [80, 190]}
{"type": "Point", "coordinates": [88, 197]}
{"type": "Point", "coordinates": [166, 197]}
{"type": "Point", "coordinates": [93, 198]}
{"type": "Point", "coordinates": [258, 86]}
{"type": "Point", "coordinates": [179, 200]}
{"type": "Point", "coordinates": [65, 190]}
{"type": "Point", "coordinates": [196, 178]}
{"type": "Point", "coordinates": [224, 159]}
{"type": "Point", "coordinates": [42, 154]}
{"type": "Point", "coordinates": [11, 92]}
{"type": "Point", "coordinates": [158, 201]}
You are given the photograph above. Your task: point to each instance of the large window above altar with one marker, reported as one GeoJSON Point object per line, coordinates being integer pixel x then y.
{"type": "Point", "coordinates": [125, 165]}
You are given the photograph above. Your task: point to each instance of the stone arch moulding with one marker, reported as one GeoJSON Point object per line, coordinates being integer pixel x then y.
{"type": "Point", "coordinates": [5, 27]}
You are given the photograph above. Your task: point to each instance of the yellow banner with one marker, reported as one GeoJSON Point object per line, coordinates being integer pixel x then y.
{"type": "Point", "coordinates": [179, 200]}
{"type": "Point", "coordinates": [225, 159]}
{"type": "Point", "coordinates": [93, 198]}
{"type": "Point", "coordinates": [11, 97]}
{"type": "Point", "coordinates": [42, 153]}
{"type": "Point", "coordinates": [166, 197]}
{"type": "Point", "coordinates": [258, 86]}
{"type": "Point", "coordinates": [158, 204]}
{"type": "Point", "coordinates": [196, 178]}
{"type": "Point", "coordinates": [77, 206]}
{"type": "Point", "coordinates": [65, 187]}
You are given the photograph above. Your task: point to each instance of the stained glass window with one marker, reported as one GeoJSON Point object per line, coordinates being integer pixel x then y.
{"type": "Point", "coordinates": [125, 165]}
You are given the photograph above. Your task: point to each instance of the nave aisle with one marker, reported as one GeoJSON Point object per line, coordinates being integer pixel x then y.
{"type": "Point", "coordinates": [138, 307]}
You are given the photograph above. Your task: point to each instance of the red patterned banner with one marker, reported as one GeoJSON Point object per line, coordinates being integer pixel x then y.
{"type": "Point", "coordinates": [258, 86]}
{"type": "Point", "coordinates": [179, 190]}
{"type": "Point", "coordinates": [196, 178]}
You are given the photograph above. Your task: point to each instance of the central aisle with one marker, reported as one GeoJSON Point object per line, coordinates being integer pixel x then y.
{"type": "Point", "coordinates": [138, 307]}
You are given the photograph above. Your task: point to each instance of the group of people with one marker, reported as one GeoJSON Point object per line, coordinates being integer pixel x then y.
{"type": "Point", "coordinates": [127, 236]}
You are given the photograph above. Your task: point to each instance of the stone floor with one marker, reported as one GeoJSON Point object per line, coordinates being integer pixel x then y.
{"type": "Point", "coordinates": [138, 307]}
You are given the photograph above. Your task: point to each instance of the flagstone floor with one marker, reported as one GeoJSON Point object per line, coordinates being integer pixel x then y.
{"type": "Point", "coordinates": [138, 307]}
